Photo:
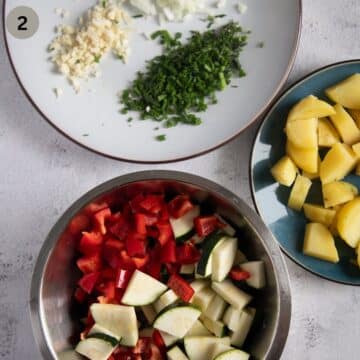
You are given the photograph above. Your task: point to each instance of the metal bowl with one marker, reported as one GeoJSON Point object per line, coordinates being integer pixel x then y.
{"type": "Point", "coordinates": [52, 312]}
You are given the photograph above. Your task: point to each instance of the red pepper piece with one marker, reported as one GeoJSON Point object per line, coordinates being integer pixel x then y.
{"type": "Point", "coordinates": [152, 232]}
{"type": "Point", "coordinates": [89, 264]}
{"type": "Point", "coordinates": [205, 225]}
{"type": "Point", "coordinates": [156, 353]}
{"type": "Point", "coordinates": [179, 206]}
{"type": "Point", "coordinates": [168, 252]}
{"type": "Point", "coordinates": [90, 243]}
{"type": "Point", "coordinates": [152, 203]}
{"type": "Point", "coordinates": [238, 274]}
{"type": "Point", "coordinates": [140, 223]}
{"type": "Point", "coordinates": [108, 273]}
{"type": "Point", "coordinates": [173, 268]}
{"type": "Point", "coordinates": [136, 244]}
{"type": "Point", "coordinates": [78, 224]}
{"type": "Point", "coordinates": [153, 268]}
{"type": "Point", "coordinates": [100, 218]}
{"type": "Point", "coordinates": [143, 346]}
{"type": "Point", "coordinates": [135, 203]}
{"type": "Point", "coordinates": [111, 252]}
{"type": "Point", "coordinates": [126, 261]}
{"type": "Point", "coordinates": [122, 278]}
{"type": "Point", "coordinates": [88, 282]}
{"type": "Point", "coordinates": [140, 262]}
{"type": "Point", "coordinates": [107, 289]}
{"type": "Point", "coordinates": [80, 295]}
{"type": "Point", "coordinates": [158, 340]}
{"type": "Point", "coordinates": [180, 287]}
{"type": "Point", "coordinates": [94, 207]}
{"type": "Point", "coordinates": [165, 232]}
{"type": "Point", "coordinates": [187, 254]}
{"type": "Point", "coordinates": [120, 227]}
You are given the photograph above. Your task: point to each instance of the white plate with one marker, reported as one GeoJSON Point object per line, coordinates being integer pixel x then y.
{"type": "Point", "coordinates": [95, 111]}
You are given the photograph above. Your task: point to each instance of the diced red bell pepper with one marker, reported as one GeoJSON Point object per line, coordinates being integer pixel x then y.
{"type": "Point", "coordinates": [173, 268]}
{"type": "Point", "coordinates": [152, 232]}
{"type": "Point", "coordinates": [100, 218]}
{"type": "Point", "coordinates": [165, 232]}
{"type": "Point", "coordinates": [111, 252]}
{"type": "Point", "coordinates": [135, 203]}
{"type": "Point", "coordinates": [187, 254]}
{"type": "Point", "coordinates": [120, 228]}
{"type": "Point", "coordinates": [168, 252]}
{"type": "Point", "coordinates": [94, 207]}
{"type": "Point", "coordinates": [156, 353]}
{"type": "Point", "coordinates": [142, 346]}
{"type": "Point", "coordinates": [152, 203]}
{"type": "Point", "coordinates": [158, 340]}
{"type": "Point", "coordinates": [136, 244]}
{"type": "Point", "coordinates": [90, 242]}
{"type": "Point", "coordinates": [89, 264]}
{"type": "Point", "coordinates": [179, 206]}
{"type": "Point", "coordinates": [164, 214]}
{"type": "Point", "coordinates": [88, 282]}
{"type": "Point", "coordinates": [140, 223]}
{"type": "Point", "coordinates": [85, 333]}
{"type": "Point", "coordinates": [153, 268]}
{"type": "Point", "coordinates": [107, 289]}
{"type": "Point", "coordinates": [126, 261]}
{"type": "Point", "coordinates": [78, 224]}
{"type": "Point", "coordinates": [238, 274]}
{"type": "Point", "coordinates": [108, 273]}
{"type": "Point", "coordinates": [205, 225]}
{"type": "Point", "coordinates": [80, 295]}
{"type": "Point", "coordinates": [180, 287]}
{"type": "Point", "coordinates": [140, 262]}
{"type": "Point", "coordinates": [122, 278]}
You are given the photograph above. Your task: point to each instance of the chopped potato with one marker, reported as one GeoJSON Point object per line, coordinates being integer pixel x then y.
{"type": "Point", "coordinates": [338, 192]}
{"type": "Point", "coordinates": [345, 125]}
{"type": "Point", "coordinates": [355, 114]}
{"type": "Point", "coordinates": [348, 222]}
{"type": "Point", "coordinates": [356, 149]}
{"type": "Point", "coordinates": [347, 92]}
{"type": "Point", "coordinates": [338, 162]}
{"type": "Point", "coordinates": [314, 175]}
{"type": "Point", "coordinates": [318, 214]}
{"type": "Point", "coordinates": [305, 159]}
{"type": "Point", "coordinates": [302, 133]}
{"type": "Point", "coordinates": [333, 227]}
{"type": "Point", "coordinates": [310, 107]}
{"type": "Point", "coordinates": [299, 192]}
{"type": "Point", "coordinates": [284, 171]}
{"type": "Point", "coordinates": [327, 134]}
{"type": "Point", "coordinates": [320, 243]}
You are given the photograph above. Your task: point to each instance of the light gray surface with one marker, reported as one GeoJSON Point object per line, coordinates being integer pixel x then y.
{"type": "Point", "coordinates": [42, 173]}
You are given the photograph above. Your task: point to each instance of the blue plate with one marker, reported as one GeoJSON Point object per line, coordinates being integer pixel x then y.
{"type": "Point", "coordinates": [288, 226]}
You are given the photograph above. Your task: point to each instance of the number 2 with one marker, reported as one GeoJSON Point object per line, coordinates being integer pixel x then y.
{"type": "Point", "coordinates": [22, 21]}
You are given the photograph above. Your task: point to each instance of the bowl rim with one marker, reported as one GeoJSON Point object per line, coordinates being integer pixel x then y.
{"type": "Point", "coordinates": [262, 110]}
{"type": "Point", "coordinates": [281, 275]}
{"type": "Point", "coordinates": [285, 93]}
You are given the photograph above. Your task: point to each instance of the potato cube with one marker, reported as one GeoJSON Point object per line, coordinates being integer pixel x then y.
{"type": "Point", "coordinates": [347, 92]}
{"type": "Point", "coordinates": [284, 171]}
{"type": "Point", "coordinates": [345, 125]}
{"type": "Point", "coordinates": [355, 114]}
{"type": "Point", "coordinates": [310, 107]}
{"type": "Point", "coordinates": [327, 134]}
{"type": "Point", "coordinates": [320, 243]}
{"type": "Point", "coordinates": [318, 214]}
{"type": "Point", "coordinates": [303, 133]}
{"type": "Point", "coordinates": [299, 192]}
{"type": "Point", "coordinates": [333, 227]}
{"type": "Point", "coordinates": [305, 159]}
{"type": "Point", "coordinates": [314, 175]}
{"type": "Point", "coordinates": [338, 192]}
{"type": "Point", "coordinates": [348, 222]}
{"type": "Point", "coordinates": [338, 162]}
{"type": "Point", "coordinates": [356, 149]}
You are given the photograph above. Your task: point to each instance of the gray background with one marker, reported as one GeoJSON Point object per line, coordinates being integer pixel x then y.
{"type": "Point", "coordinates": [42, 173]}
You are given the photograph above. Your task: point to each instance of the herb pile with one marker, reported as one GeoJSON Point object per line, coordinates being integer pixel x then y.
{"type": "Point", "coordinates": [185, 78]}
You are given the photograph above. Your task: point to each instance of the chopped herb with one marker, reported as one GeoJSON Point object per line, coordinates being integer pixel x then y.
{"type": "Point", "coordinates": [104, 3]}
{"type": "Point", "coordinates": [85, 134]}
{"type": "Point", "coordinates": [260, 44]}
{"type": "Point", "coordinates": [120, 57]}
{"type": "Point", "coordinates": [97, 58]}
{"type": "Point", "coordinates": [138, 16]}
{"type": "Point", "coordinates": [161, 137]}
{"type": "Point", "coordinates": [185, 78]}
{"type": "Point", "coordinates": [156, 128]}
{"type": "Point", "coordinates": [210, 19]}
{"type": "Point", "coordinates": [234, 86]}
{"type": "Point", "coordinates": [130, 119]}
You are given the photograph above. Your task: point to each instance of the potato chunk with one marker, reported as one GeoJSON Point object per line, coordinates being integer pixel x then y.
{"type": "Point", "coordinates": [348, 223]}
{"type": "Point", "coordinates": [284, 171]}
{"type": "Point", "coordinates": [320, 243]}
{"type": "Point", "coordinates": [347, 92]}
{"type": "Point", "coordinates": [345, 125]}
{"type": "Point", "coordinates": [355, 114]}
{"type": "Point", "coordinates": [338, 162]}
{"type": "Point", "coordinates": [305, 159]}
{"type": "Point", "coordinates": [333, 227]}
{"type": "Point", "coordinates": [327, 134]}
{"type": "Point", "coordinates": [356, 149]}
{"type": "Point", "coordinates": [338, 192]}
{"type": "Point", "coordinates": [314, 175]}
{"type": "Point", "coordinates": [302, 133]}
{"type": "Point", "coordinates": [310, 107]}
{"type": "Point", "coordinates": [318, 214]}
{"type": "Point", "coordinates": [299, 192]}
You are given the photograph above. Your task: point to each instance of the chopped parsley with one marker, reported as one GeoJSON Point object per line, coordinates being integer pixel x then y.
{"type": "Point", "coordinates": [260, 44]}
{"type": "Point", "coordinates": [138, 16]}
{"type": "Point", "coordinates": [97, 58]}
{"type": "Point", "coordinates": [161, 137]}
{"type": "Point", "coordinates": [210, 19]}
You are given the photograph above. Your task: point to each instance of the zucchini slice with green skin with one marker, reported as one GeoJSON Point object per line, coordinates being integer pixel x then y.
{"type": "Point", "coordinates": [204, 266]}
{"type": "Point", "coordinates": [239, 335]}
{"type": "Point", "coordinates": [232, 317]}
{"type": "Point", "coordinates": [219, 349]}
{"type": "Point", "coordinates": [183, 227]}
{"type": "Point", "coordinates": [95, 349]}
{"type": "Point", "coordinates": [203, 298]}
{"type": "Point", "coordinates": [168, 339]}
{"type": "Point", "coordinates": [98, 331]}
{"type": "Point", "coordinates": [223, 258]}
{"type": "Point", "coordinates": [176, 354]}
{"type": "Point", "coordinates": [218, 328]}
{"type": "Point", "coordinates": [231, 294]}
{"type": "Point", "coordinates": [234, 354]}
{"type": "Point", "coordinates": [119, 320]}
{"type": "Point", "coordinates": [104, 337]}
{"type": "Point", "coordinates": [198, 329]}
{"type": "Point", "coordinates": [149, 313]}
{"type": "Point", "coordinates": [257, 277]}
{"type": "Point", "coordinates": [200, 347]}
{"type": "Point", "coordinates": [142, 289]}
{"type": "Point", "coordinates": [228, 229]}
{"type": "Point", "coordinates": [216, 308]}
{"type": "Point", "coordinates": [178, 320]}
{"type": "Point", "coordinates": [166, 299]}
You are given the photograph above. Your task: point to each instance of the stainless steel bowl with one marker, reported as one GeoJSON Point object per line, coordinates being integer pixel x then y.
{"type": "Point", "coordinates": [55, 274]}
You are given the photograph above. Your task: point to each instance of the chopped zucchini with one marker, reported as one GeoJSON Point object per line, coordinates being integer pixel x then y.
{"type": "Point", "coordinates": [203, 298]}
{"type": "Point", "coordinates": [149, 313]}
{"type": "Point", "coordinates": [219, 349]}
{"type": "Point", "coordinates": [95, 349]}
{"type": "Point", "coordinates": [240, 258]}
{"type": "Point", "coordinates": [256, 269]}
{"type": "Point", "coordinates": [166, 299]}
{"type": "Point", "coordinates": [239, 335]}
{"type": "Point", "coordinates": [223, 258]}
{"type": "Point", "coordinates": [234, 354]}
{"type": "Point", "coordinates": [218, 328]}
{"type": "Point", "coordinates": [200, 347]}
{"type": "Point", "coordinates": [183, 227]}
{"type": "Point", "coordinates": [232, 317]}
{"type": "Point", "coordinates": [216, 308]}
{"type": "Point", "coordinates": [176, 354]}
{"type": "Point", "coordinates": [169, 340]}
{"type": "Point", "coordinates": [228, 229]}
{"type": "Point", "coordinates": [198, 329]}
{"type": "Point", "coordinates": [97, 329]}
